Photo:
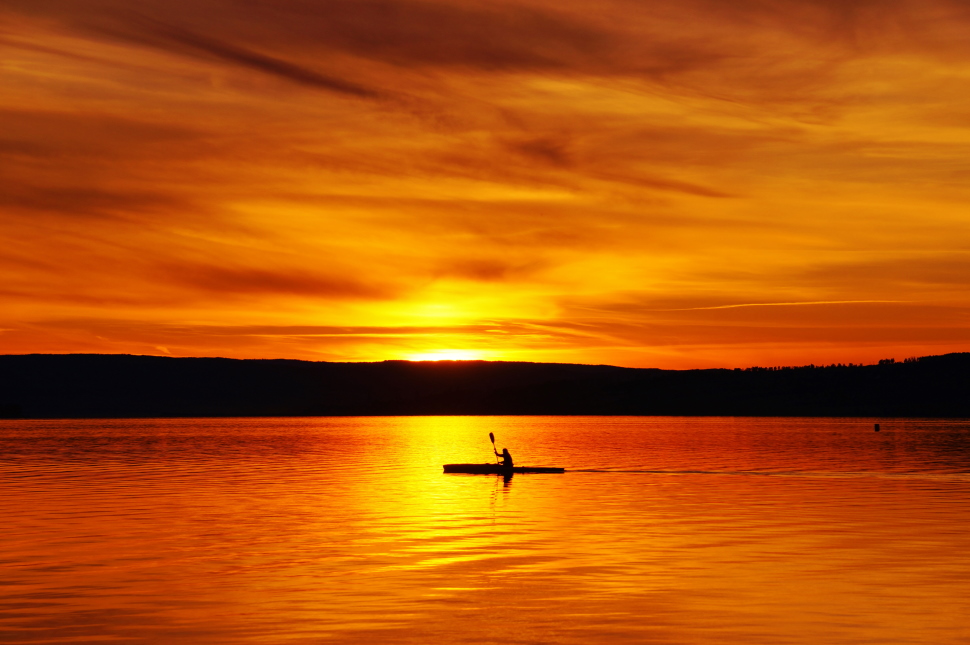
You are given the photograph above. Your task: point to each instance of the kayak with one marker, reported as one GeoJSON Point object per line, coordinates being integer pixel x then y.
{"type": "Point", "coordinates": [498, 469]}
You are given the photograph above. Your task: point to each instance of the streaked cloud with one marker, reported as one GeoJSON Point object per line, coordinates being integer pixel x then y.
{"type": "Point", "coordinates": [790, 304]}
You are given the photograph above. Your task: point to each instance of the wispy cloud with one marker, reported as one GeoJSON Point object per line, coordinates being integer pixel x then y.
{"type": "Point", "coordinates": [177, 38]}
{"type": "Point", "coordinates": [788, 304]}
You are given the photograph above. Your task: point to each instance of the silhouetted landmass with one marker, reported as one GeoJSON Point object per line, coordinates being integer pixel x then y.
{"type": "Point", "coordinates": [92, 386]}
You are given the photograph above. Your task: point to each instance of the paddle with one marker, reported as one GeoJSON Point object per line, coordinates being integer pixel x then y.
{"type": "Point", "coordinates": [491, 436]}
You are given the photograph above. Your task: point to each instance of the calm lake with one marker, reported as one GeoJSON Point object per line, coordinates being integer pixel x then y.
{"type": "Point", "coordinates": [314, 530]}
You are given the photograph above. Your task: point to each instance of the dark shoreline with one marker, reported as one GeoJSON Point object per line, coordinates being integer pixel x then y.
{"type": "Point", "coordinates": [45, 386]}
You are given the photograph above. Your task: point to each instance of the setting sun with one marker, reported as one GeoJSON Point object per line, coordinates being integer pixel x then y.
{"type": "Point", "coordinates": [450, 355]}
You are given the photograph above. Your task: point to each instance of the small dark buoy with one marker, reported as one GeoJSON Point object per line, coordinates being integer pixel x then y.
{"type": "Point", "coordinates": [877, 427]}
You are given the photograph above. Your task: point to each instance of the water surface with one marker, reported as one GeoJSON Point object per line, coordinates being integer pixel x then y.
{"type": "Point", "coordinates": [314, 530]}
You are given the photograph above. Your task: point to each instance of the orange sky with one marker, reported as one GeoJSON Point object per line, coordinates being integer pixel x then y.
{"type": "Point", "coordinates": [674, 183]}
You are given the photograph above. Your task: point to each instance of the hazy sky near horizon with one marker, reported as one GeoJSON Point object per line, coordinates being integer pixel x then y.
{"type": "Point", "coordinates": [674, 183]}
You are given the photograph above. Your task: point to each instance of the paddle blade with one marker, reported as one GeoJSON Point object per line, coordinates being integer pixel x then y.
{"type": "Point", "coordinates": [491, 436]}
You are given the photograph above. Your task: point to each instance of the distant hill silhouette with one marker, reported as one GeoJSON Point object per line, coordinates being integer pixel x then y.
{"type": "Point", "coordinates": [94, 385]}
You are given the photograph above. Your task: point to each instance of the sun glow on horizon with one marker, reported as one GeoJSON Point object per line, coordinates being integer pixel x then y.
{"type": "Point", "coordinates": [450, 355]}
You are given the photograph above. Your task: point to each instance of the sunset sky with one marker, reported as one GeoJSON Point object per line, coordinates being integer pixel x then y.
{"type": "Point", "coordinates": [669, 183]}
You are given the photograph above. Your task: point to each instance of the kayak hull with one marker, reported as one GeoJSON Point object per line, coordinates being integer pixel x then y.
{"type": "Point", "coordinates": [498, 469]}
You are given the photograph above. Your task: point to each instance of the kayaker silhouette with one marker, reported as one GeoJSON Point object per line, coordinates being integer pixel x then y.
{"type": "Point", "coordinates": [504, 467]}
{"type": "Point", "coordinates": [506, 457]}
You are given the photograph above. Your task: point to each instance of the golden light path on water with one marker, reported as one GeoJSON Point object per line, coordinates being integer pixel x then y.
{"type": "Point", "coordinates": [686, 530]}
